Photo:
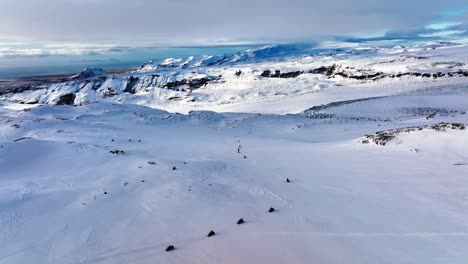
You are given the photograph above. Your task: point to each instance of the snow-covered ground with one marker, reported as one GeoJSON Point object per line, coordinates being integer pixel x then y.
{"type": "Point", "coordinates": [114, 179]}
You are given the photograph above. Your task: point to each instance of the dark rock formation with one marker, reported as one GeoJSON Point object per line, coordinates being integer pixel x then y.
{"type": "Point", "coordinates": [278, 74]}
{"type": "Point", "coordinates": [117, 152]}
{"type": "Point", "coordinates": [383, 137]}
{"type": "Point", "coordinates": [131, 83]}
{"type": "Point", "coordinates": [327, 70]}
{"type": "Point", "coordinates": [211, 233]}
{"type": "Point", "coordinates": [191, 83]}
{"type": "Point", "coordinates": [170, 248]}
{"type": "Point", "coordinates": [67, 99]}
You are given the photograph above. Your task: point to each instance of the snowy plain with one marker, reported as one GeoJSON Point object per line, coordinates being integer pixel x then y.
{"type": "Point", "coordinates": [117, 177]}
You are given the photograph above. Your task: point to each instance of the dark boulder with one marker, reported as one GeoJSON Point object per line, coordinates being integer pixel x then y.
{"type": "Point", "coordinates": [211, 233]}
{"type": "Point", "coordinates": [170, 248]}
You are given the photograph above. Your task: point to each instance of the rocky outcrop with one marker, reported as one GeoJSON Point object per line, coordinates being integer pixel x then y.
{"type": "Point", "coordinates": [383, 137]}
{"type": "Point", "coordinates": [190, 83]}
{"type": "Point", "coordinates": [334, 71]}
{"type": "Point", "coordinates": [131, 83]}
{"type": "Point", "coordinates": [326, 70]}
{"type": "Point", "coordinates": [67, 99]}
{"type": "Point", "coordinates": [278, 74]}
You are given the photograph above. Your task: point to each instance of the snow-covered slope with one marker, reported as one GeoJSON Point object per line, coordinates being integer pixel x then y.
{"type": "Point", "coordinates": [108, 179]}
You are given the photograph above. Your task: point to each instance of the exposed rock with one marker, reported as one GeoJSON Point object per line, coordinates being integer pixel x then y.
{"type": "Point", "coordinates": [431, 116]}
{"type": "Point", "coordinates": [21, 139]}
{"type": "Point", "coordinates": [278, 74]}
{"type": "Point", "coordinates": [117, 152]}
{"type": "Point", "coordinates": [291, 74]}
{"type": "Point", "coordinates": [191, 83]}
{"type": "Point", "coordinates": [327, 70]}
{"type": "Point", "coordinates": [109, 92]}
{"type": "Point", "coordinates": [131, 83]}
{"type": "Point", "coordinates": [211, 233]}
{"type": "Point", "coordinates": [67, 99]}
{"type": "Point", "coordinates": [170, 248]}
{"type": "Point", "coordinates": [383, 137]}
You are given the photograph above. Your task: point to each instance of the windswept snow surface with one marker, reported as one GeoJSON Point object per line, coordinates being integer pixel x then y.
{"type": "Point", "coordinates": [114, 180]}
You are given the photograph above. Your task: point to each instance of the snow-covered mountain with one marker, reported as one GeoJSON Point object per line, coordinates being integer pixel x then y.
{"type": "Point", "coordinates": [263, 74]}
{"type": "Point", "coordinates": [342, 153]}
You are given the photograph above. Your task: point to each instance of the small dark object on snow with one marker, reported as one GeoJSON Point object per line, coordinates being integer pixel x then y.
{"type": "Point", "coordinates": [431, 116]}
{"type": "Point", "coordinates": [271, 210]}
{"type": "Point", "coordinates": [245, 157]}
{"type": "Point", "coordinates": [211, 233]}
{"type": "Point", "coordinates": [287, 180]}
{"type": "Point", "coordinates": [174, 168]}
{"type": "Point", "coordinates": [241, 221]}
{"type": "Point", "coordinates": [112, 140]}
{"type": "Point", "coordinates": [151, 163]}
{"type": "Point", "coordinates": [105, 192]}
{"type": "Point", "coordinates": [129, 140]}
{"type": "Point", "coordinates": [139, 141]}
{"type": "Point", "coordinates": [142, 180]}
{"type": "Point", "coordinates": [117, 152]}
{"type": "Point", "coordinates": [170, 248]}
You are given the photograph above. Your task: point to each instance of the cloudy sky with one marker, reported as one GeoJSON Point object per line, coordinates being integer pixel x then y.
{"type": "Point", "coordinates": [204, 21]}
{"type": "Point", "coordinates": [122, 33]}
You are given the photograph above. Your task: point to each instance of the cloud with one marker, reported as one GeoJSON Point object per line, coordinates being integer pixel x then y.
{"type": "Point", "coordinates": [60, 49]}
{"type": "Point", "coordinates": [442, 25]}
{"type": "Point", "coordinates": [443, 33]}
{"type": "Point", "coordinates": [189, 21]}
